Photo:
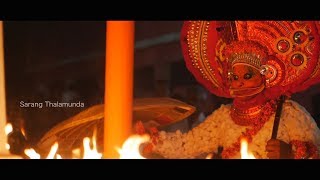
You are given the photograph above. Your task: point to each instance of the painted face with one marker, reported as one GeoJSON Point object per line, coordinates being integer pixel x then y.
{"type": "Point", "coordinates": [245, 81]}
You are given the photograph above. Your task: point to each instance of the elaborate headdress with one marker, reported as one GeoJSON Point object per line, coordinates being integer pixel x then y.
{"type": "Point", "coordinates": [285, 52]}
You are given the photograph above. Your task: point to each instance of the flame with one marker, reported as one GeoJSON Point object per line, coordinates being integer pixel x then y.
{"type": "Point", "coordinates": [88, 152]}
{"type": "Point", "coordinates": [245, 154]}
{"type": "Point", "coordinates": [53, 150]}
{"type": "Point", "coordinates": [23, 132]}
{"type": "Point", "coordinates": [8, 129]}
{"type": "Point", "coordinates": [130, 148]}
{"type": "Point", "coordinates": [209, 156]}
{"type": "Point", "coordinates": [32, 154]}
{"type": "Point", "coordinates": [7, 146]}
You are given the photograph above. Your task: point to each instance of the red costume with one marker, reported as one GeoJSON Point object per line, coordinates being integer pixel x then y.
{"type": "Point", "coordinates": [286, 53]}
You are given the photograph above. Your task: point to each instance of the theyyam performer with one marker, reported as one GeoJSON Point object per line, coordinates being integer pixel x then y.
{"type": "Point", "coordinates": [259, 64]}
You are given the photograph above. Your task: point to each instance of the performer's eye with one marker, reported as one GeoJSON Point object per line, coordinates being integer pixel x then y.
{"type": "Point", "coordinates": [235, 77]}
{"type": "Point", "coordinates": [247, 76]}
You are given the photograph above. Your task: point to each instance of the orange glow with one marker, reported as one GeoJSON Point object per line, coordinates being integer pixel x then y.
{"type": "Point", "coordinates": [118, 85]}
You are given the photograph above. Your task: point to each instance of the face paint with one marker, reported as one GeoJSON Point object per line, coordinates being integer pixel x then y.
{"type": "Point", "coordinates": [245, 81]}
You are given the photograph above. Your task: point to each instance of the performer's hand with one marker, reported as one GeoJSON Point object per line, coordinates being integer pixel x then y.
{"type": "Point", "coordinates": [277, 149]}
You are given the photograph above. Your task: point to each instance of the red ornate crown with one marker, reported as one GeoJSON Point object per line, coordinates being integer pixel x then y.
{"type": "Point", "coordinates": [285, 52]}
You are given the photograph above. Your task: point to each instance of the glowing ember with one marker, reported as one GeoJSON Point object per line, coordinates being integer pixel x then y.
{"type": "Point", "coordinates": [245, 154]}
{"type": "Point", "coordinates": [130, 148]}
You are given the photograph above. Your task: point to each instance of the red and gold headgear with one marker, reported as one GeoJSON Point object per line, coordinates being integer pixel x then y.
{"type": "Point", "coordinates": [285, 52]}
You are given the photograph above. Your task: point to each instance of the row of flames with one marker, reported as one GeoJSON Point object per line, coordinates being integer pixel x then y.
{"type": "Point", "coordinates": [129, 149]}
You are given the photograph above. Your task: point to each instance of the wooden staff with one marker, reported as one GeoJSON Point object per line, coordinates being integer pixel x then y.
{"type": "Point", "coordinates": [277, 117]}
